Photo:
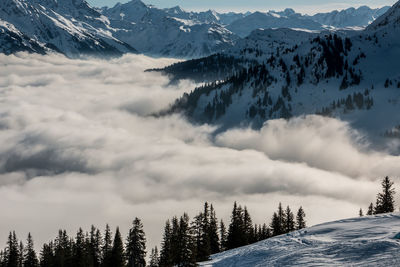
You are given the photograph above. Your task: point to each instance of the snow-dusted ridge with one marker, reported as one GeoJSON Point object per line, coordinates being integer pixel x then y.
{"type": "Point", "coordinates": [364, 241]}
{"type": "Point", "coordinates": [73, 27]}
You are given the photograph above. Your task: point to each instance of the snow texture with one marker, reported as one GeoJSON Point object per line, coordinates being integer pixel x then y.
{"type": "Point", "coordinates": [364, 241]}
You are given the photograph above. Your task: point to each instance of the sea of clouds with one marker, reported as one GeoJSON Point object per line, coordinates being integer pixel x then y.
{"type": "Point", "coordinates": [78, 147]}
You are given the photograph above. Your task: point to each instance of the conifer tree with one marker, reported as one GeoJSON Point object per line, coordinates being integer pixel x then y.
{"type": "Point", "coordinates": [175, 241]}
{"type": "Point", "coordinates": [30, 258]}
{"type": "Point", "coordinates": [12, 251]}
{"type": "Point", "coordinates": [166, 253]}
{"type": "Point", "coordinates": [79, 251]}
{"type": "Point", "coordinates": [276, 225]}
{"type": "Point", "coordinates": [106, 249]}
{"type": "Point", "coordinates": [63, 250]}
{"type": "Point", "coordinates": [223, 236]}
{"type": "Point", "coordinates": [136, 245]}
{"type": "Point", "coordinates": [21, 254]}
{"type": "Point", "coordinates": [370, 209]}
{"type": "Point", "coordinates": [117, 253]}
{"type": "Point", "coordinates": [213, 232]}
{"type": "Point", "coordinates": [248, 229]}
{"type": "Point", "coordinates": [289, 220]}
{"type": "Point", "coordinates": [197, 232]}
{"type": "Point", "coordinates": [235, 232]}
{"type": "Point", "coordinates": [47, 255]}
{"type": "Point", "coordinates": [154, 258]}
{"type": "Point", "coordinates": [203, 234]}
{"type": "Point", "coordinates": [94, 246]}
{"type": "Point", "coordinates": [360, 213]}
{"type": "Point", "coordinates": [186, 255]}
{"type": "Point", "coordinates": [385, 200]}
{"type": "Point", "coordinates": [265, 232]}
{"type": "Point", "coordinates": [300, 221]}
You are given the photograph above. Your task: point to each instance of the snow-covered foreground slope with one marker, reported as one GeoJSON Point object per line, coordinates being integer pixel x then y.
{"type": "Point", "coordinates": [365, 241]}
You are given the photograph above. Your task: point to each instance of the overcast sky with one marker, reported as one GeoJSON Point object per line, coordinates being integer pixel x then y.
{"type": "Point", "coordinates": [304, 6]}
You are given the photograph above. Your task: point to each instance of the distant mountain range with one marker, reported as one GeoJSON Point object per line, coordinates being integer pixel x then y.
{"type": "Point", "coordinates": [73, 27]}
{"type": "Point", "coordinates": [280, 73]}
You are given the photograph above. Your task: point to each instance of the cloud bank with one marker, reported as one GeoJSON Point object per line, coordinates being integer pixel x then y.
{"type": "Point", "coordinates": [79, 148]}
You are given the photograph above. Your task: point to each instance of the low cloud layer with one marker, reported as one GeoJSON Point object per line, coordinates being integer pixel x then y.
{"type": "Point", "coordinates": [78, 148]}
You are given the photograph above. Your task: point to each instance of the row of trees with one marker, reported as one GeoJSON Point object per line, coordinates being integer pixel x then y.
{"type": "Point", "coordinates": [185, 241]}
{"type": "Point", "coordinates": [85, 250]}
{"type": "Point", "coordinates": [384, 201]}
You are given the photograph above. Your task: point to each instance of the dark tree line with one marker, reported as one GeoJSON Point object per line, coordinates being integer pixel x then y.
{"type": "Point", "coordinates": [91, 249]}
{"type": "Point", "coordinates": [185, 242]}
{"type": "Point", "coordinates": [384, 201]}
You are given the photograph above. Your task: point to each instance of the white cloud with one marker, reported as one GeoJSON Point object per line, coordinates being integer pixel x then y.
{"type": "Point", "coordinates": [77, 148]}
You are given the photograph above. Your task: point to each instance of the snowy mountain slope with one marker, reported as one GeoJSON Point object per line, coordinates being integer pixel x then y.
{"type": "Point", "coordinates": [390, 20]}
{"type": "Point", "coordinates": [68, 26]}
{"type": "Point", "coordinates": [169, 32]}
{"type": "Point", "coordinates": [13, 41]}
{"type": "Point", "coordinates": [365, 241]}
{"type": "Point", "coordinates": [348, 18]}
{"type": "Point", "coordinates": [285, 19]}
{"type": "Point", "coordinates": [351, 17]}
{"type": "Point", "coordinates": [351, 75]}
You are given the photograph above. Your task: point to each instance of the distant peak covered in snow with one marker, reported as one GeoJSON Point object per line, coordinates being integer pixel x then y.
{"type": "Point", "coordinates": [390, 19]}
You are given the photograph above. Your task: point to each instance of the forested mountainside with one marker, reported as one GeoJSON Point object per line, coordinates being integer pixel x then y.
{"type": "Point", "coordinates": [284, 73]}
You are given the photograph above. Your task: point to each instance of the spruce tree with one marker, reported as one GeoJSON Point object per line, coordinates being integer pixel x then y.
{"type": "Point", "coordinates": [136, 245]}
{"type": "Point", "coordinates": [203, 234]}
{"type": "Point", "coordinates": [289, 220]}
{"type": "Point", "coordinates": [117, 253]}
{"type": "Point", "coordinates": [63, 250]}
{"type": "Point", "coordinates": [175, 241]}
{"type": "Point", "coordinates": [385, 200]}
{"type": "Point", "coordinates": [223, 236]}
{"type": "Point", "coordinates": [12, 256]}
{"type": "Point", "coordinates": [80, 256]}
{"type": "Point", "coordinates": [370, 209]}
{"type": "Point", "coordinates": [166, 252]}
{"type": "Point", "coordinates": [154, 258]}
{"type": "Point", "coordinates": [248, 230]}
{"type": "Point", "coordinates": [94, 246]}
{"type": "Point", "coordinates": [21, 254]}
{"type": "Point", "coordinates": [186, 255]}
{"type": "Point", "coordinates": [30, 258]}
{"type": "Point", "coordinates": [276, 226]}
{"type": "Point", "coordinates": [213, 232]}
{"type": "Point", "coordinates": [106, 249]}
{"type": "Point", "coordinates": [236, 236]}
{"type": "Point", "coordinates": [300, 221]}
{"type": "Point", "coordinates": [360, 213]}
{"type": "Point", "coordinates": [47, 255]}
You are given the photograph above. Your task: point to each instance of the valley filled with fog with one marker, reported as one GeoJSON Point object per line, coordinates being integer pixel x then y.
{"type": "Point", "coordinates": [79, 147]}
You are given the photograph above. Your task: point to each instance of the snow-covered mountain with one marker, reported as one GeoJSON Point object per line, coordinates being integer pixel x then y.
{"type": "Point", "coordinates": [350, 18]}
{"type": "Point", "coordinates": [365, 241]}
{"type": "Point", "coordinates": [282, 73]}
{"type": "Point", "coordinates": [169, 32]}
{"type": "Point", "coordinates": [286, 19]}
{"type": "Point", "coordinates": [68, 26]}
{"type": "Point", "coordinates": [73, 27]}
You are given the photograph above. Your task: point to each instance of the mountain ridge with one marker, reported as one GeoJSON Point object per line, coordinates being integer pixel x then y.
{"type": "Point", "coordinates": [73, 27]}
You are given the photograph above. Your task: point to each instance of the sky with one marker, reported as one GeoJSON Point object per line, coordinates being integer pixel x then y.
{"type": "Point", "coordinates": [78, 148]}
{"type": "Point", "coordinates": [303, 6]}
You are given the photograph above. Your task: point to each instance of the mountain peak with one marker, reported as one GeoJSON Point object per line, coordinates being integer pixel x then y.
{"type": "Point", "coordinates": [390, 19]}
